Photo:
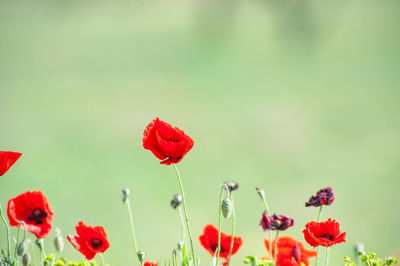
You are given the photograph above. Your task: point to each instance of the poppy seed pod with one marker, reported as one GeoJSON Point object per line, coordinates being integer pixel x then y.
{"type": "Point", "coordinates": [226, 207]}
{"type": "Point", "coordinates": [59, 241]}
{"type": "Point", "coordinates": [176, 201]}
{"type": "Point", "coordinates": [141, 255]}
{"type": "Point", "coordinates": [26, 259]}
{"type": "Point", "coordinates": [21, 248]}
{"type": "Point", "coordinates": [125, 194]}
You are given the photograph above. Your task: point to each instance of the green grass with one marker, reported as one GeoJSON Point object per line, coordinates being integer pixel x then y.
{"type": "Point", "coordinates": [291, 96]}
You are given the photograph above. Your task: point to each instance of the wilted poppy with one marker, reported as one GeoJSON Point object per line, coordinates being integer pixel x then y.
{"type": "Point", "coordinates": [324, 196]}
{"type": "Point", "coordinates": [275, 222]}
{"type": "Point", "coordinates": [7, 159]}
{"type": "Point", "coordinates": [324, 233]}
{"type": "Point", "coordinates": [167, 143]}
{"type": "Point", "coordinates": [290, 252]}
{"type": "Point", "coordinates": [90, 240]}
{"type": "Point", "coordinates": [209, 240]}
{"type": "Point", "coordinates": [33, 208]}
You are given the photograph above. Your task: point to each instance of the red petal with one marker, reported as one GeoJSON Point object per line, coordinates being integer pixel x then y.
{"type": "Point", "coordinates": [7, 159]}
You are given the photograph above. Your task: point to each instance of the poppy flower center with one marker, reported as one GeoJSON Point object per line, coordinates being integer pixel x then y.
{"type": "Point", "coordinates": [37, 216]}
{"type": "Point", "coordinates": [214, 248]}
{"type": "Point", "coordinates": [173, 140]}
{"type": "Point", "coordinates": [329, 237]}
{"type": "Point", "coordinates": [96, 243]}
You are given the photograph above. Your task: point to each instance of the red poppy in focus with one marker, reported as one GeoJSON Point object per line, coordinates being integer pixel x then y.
{"type": "Point", "coordinates": [323, 234]}
{"type": "Point", "coordinates": [209, 240]}
{"type": "Point", "coordinates": [167, 143]}
{"type": "Point", "coordinates": [290, 252]}
{"type": "Point", "coordinates": [33, 208]}
{"type": "Point", "coordinates": [7, 159]}
{"type": "Point", "coordinates": [90, 240]}
{"type": "Point", "coordinates": [147, 263]}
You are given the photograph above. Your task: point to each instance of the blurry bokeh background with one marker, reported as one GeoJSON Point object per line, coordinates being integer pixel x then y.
{"type": "Point", "coordinates": [291, 96]}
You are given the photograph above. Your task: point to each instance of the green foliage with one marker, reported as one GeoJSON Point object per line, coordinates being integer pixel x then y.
{"type": "Point", "coordinates": [370, 259]}
{"type": "Point", "coordinates": [254, 261]}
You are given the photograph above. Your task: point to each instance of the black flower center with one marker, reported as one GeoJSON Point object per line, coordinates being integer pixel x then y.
{"type": "Point", "coordinates": [37, 216]}
{"type": "Point", "coordinates": [173, 140]}
{"type": "Point", "coordinates": [96, 243]}
{"type": "Point", "coordinates": [214, 248]}
{"type": "Point", "coordinates": [329, 237]}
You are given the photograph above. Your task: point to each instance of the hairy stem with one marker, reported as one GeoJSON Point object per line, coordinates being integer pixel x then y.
{"type": "Point", "coordinates": [128, 205]}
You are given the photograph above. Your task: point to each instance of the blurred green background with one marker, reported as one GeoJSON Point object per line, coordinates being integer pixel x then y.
{"type": "Point", "coordinates": [291, 96]}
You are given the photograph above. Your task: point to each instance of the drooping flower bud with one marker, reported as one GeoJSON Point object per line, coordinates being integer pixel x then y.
{"type": "Point", "coordinates": [232, 186]}
{"type": "Point", "coordinates": [26, 259]}
{"type": "Point", "coordinates": [125, 194]}
{"type": "Point", "coordinates": [21, 248]}
{"type": "Point", "coordinates": [261, 193]}
{"type": "Point", "coordinates": [59, 241]}
{"type": "Point", "coordinates": [324, 196]}
{"type": "Point", "coordinates": [141, 255]}
{"type": "Point", "coordinates": [176, 201]}
{"type": "Point", "coordinates": [226, 207]}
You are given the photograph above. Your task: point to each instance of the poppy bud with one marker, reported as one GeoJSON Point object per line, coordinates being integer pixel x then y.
{"type": "Point", "coordinates": [39, 243]}
{"type": "Point", "coordinates": [226, 207]}
{"type": "Point", "coordinates": [125, 194]}
{"type": "Point", "coordinates": [59, 241]}
{"type": "Point", "coordinates": [176, 201]}
{"type": "Point", "coordinates": [261, 193]}
{"type": "Point", "coordinates": [141, 255]}
{"type": "Point", "coordinates": [26, 259]}
{"type": "Point", "coordinates": [21, 248]}
{"type": "Point", "coordinates": [180, 245]}
{"type": "Point", "coordinates": [232, 186]}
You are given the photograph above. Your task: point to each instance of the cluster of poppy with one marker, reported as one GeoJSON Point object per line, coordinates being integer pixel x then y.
{"type": "Point", "coordinates": [170, 144]}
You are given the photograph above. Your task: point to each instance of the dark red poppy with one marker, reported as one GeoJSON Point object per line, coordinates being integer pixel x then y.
{"type": "Point", "coordinates": [324, 196]}
{"type": "Point", "coordinates": [148, 263]}
{"type": "Point", "coordinates": [90, 240]}
{"type": "Point", "coordinates": [7, 159]}
{"type": "Point", "coordinates": [167, 143]}
{"type": "Point", "coordinates": [275, 222]}
{"type": "Point", "coordinates": [33, 208]}
{"type": "Point", "coordinates": [324, 233]}
{"type": "Point", "coordinates": [209, 241]}
{"type": "Point", "coordinates": [290, 252]}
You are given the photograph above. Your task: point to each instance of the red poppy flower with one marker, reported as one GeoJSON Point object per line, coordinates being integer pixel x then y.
{"type": "Point", "coordinates": [275, 222]}
{"type": "Point", "coordinates": [33, 208]}
{"type": "Point", "coordinates": [323, 234]}
{"type": "Point", "coordinates": [209, 240]}
{"type": "Point", "coordinates": [148, 263]}
{"type": "Point", "coordinates": [290, 252]}
{"type": "Point", "coordinates": [90, 240]}
{"type": "Point", "coordinates": [7, 159]}
{"type": "Point", "coordinates": [166, 142]}
{"type": "Point", "coordinates": [324, 196]}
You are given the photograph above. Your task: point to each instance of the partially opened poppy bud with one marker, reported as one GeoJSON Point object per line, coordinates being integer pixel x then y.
{"type": "Point", "coordinates": [261, 193]}
{"type": "Point", "coordinates": [141, 255]}
{"type": "Point", "coordinates": [226, 207]}
{"type": "Point", "coordinates": [59, 241]}
{"type": "Point", "coordinates": [26, 259]}
{"type": "Point", "coordinates": [176, 201]}
{"type": "Point", "coordinates": [125, 194]}
{"type": "Point", "coordinates": [21, 248]}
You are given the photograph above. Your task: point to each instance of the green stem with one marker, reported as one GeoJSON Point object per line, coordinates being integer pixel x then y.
{"type": "Point", "coordinates": [233, 230]}
{"type": "Point", "coordinates": [318, 220]}
{"type": "Point", "coordinates": [327, 256]}
{"type": "Point", "coordinates": [8, 231]}
{"type": "Point", "coordinates": [182, 225]}
{"type": "Point", "coordinates": [185, 212]}
{"type": "Point", "coordinates": [16, 245]}
{"type": "Point", "coordinates": [102, 259]}
{"type": "Point", "coordinates": [219, 221]}
{"type": "Point", "coordinates": [128, 205]}
{"type": "Point", "coordinates": [269, 231]}
{"type": "Point", "coordinates": [276, 246]}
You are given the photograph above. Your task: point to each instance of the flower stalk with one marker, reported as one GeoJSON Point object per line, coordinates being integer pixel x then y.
{"type": "Point", "coordinates": [8, 231]}
{"type": "Point", "coordinates": [128, 206]}
{"type": "Point", "coordinates": [223, 187]}
{"type": "Point", "coordinates": [185, 213]}
{"type": "Point", "coordinates": [233, 229]}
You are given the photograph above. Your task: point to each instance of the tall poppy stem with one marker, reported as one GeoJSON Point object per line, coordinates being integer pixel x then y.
{"type": "Point", "coordinates": [276, 246]}
{"type": "Point", "coordinates": [128, 205]}
{"type": "Point", "coordinates": [8, 231]}
{"type": "Point", "coordinates": [102, 259]}
{"type": "Point", "coordinates": [233, 229]}
{"type": "Point", "coordinates": [182, 225]}
{"type": "Point", "coordinates": [224, 186]}
{"type": "Point", "coordinates": [269, 231]}
{"type": "Point", "coordinates": [185, 212]}
{"type": "Point", "coordinates": [327, 256]}
{"type": "Point", "coordinates": [318, 220]}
